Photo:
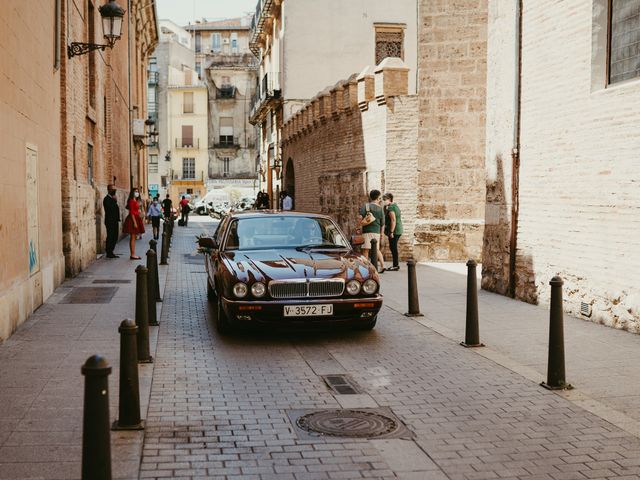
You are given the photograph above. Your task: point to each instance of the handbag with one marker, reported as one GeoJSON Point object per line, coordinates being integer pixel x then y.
{"type": "Point", "coordinates": [357, 238]}
{"type": "Point", "coordinates": [369, 218]}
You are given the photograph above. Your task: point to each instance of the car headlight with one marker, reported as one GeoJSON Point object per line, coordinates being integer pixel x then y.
{"type": "Point", "coordinates": [240, 290]}
{"type": "Point", "coordinates": [353, 287]}
{"type": "Point", "coordinates": [369, 287]}
{"type": "Point", "coordinates": [258, 289]}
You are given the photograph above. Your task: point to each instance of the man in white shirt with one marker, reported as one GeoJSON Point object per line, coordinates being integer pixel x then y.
{"type": "Point", "coordinates": [287, 202]}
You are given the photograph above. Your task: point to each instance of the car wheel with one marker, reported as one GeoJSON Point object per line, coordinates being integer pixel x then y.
{"type": "Point", "coordinates": [200, 211]}
{"type": "Point", "coordinates": [222, 322]}
{"type": "Point", "coordinates": [211, 293]}
{"type": "Point", "coordinates": [368, 325]}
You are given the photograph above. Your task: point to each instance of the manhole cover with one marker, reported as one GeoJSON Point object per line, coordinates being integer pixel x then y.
{"type": "Point", "coordinates": [352, 423]}
{"type": "Point", "coordinates": [90, 295]}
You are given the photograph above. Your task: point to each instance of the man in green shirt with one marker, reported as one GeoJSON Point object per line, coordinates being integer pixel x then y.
{"type": "Point", "coordinates": [374, 229]}
{"type": "Point", "coordinates": [393, 228]}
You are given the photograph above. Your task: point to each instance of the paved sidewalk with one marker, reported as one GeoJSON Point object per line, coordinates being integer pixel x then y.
{"type": "Point", "coordinates": [220, 406]}
{"type": "Point", "coordinates": [601, 362]}
{"type": "Point", "coordinates": [41, 387]}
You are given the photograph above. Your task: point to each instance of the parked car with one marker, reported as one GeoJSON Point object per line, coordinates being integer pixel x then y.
{"type": "Point", "coordinates": [285, 269]}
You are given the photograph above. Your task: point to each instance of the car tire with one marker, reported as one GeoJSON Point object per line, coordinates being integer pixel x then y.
{"type": "Point", "coordinates": [223, 327]}
{"type": "Point", "coordinates": [368, 325]}
{"type": "Point", "coordinates": [200, 211]}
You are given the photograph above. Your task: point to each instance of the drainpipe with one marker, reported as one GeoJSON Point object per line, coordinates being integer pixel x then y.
{"type": "Point", "coordinates": [130, 98]}
{"type": "Point", "coordinates": [515, 155]}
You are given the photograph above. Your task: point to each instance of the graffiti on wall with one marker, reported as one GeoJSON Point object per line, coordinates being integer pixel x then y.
{"type": "Point", "coordinates": [32, 209]}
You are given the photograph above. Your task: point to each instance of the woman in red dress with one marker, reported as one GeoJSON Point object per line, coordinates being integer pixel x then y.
{"type": "Point", "coordinates": [133, 224]}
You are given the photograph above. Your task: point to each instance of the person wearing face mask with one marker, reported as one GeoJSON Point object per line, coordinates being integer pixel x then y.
{"type": "Point", "coordinates": [111, 219]}
{"type": "Point", "coordinates": [133, 224]}
{"type": "Point", "coordinates": [154, 212]}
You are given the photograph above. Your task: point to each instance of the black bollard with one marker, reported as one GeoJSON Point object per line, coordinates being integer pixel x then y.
{"type": "Point", "coordinates": [152, 314]}
{"type": "Point", "coordinates": [142, 315]}
{"type": "Point", "coordinates": [129, 403]}
{"type": "Point", "coordinates": [96, 437]}
{"type": "Point", "coordinates": [153, 245]}
{"type": "Point", "coordinates": [373, 253]}
{"type": "Point", "coordinates": [472, 330]}
{"type": "Point", "coordinates": [164, 248]}
{"type": "Point", "coordinates": [154, 281]}
{"type": "Point", "coordinates": [414, 302]}
{"type": "Point", "coordinates": [555, 367]}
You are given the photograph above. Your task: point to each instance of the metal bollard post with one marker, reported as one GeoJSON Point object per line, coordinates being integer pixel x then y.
{"type": "Point", "coordinates": [142, 315]}
{"type": "Point", "coordinates": [555, 366]}
{"type": "Point", "coordinates": [414, 302]}
{"type": "Point", "coordinates": [151, 289]}
{"type": "Point", "coordinates": [96, 437]}
{"type": "Point", "coordinates": [153, 245]}
{"type": "Point", "coordinates": [164, 248]}
{"type": "Point", "coordinates": [129, 403]}
{"type": "Point", "coordinates": [154, 281]}
{"type": "Point", "coordinates": [472, 330]}
{"type": "Point", "coordinates": [373, 253]}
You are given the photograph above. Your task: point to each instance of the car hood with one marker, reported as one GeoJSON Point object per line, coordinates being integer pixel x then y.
{"type": "Point", "coordinates": [288, 264]}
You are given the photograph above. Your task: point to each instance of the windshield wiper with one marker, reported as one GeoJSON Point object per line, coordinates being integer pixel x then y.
{"type": "Point", "coordinates": [321, 245]}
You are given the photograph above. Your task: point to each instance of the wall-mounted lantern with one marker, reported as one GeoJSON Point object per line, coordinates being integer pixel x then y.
{"type": "Point", "coordinates": [112, 15]}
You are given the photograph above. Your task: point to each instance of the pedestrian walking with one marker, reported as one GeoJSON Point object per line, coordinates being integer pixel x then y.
{"type": "Point", "coordinates": [184, 211]}
{"type": "Point", "coordinates": [393, 228]}
{"type": "Point", "coordinates": [372, 222]}
{"type": "Point", "coordinates": [154, 212]}
{"type": "Point", "coordinates": [111, 219]}
{"type": "Point", "coordinates": [287, 201]}
{"type": "Point", "coordinates": [167, 204]}
{"type": "Point", "coordinates": [133, 224]}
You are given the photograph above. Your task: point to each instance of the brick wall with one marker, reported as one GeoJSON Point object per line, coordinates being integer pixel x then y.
{"type": "Point", "coordinates": [579, 179]}
{"type": "Point", "coordinates": [452, 78]}
{"type": "Point", "coordinates": [358, 135]}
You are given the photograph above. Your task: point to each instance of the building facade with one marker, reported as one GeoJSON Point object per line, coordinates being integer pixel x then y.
{"type": "Point", "coordinates": [173, 50]}
{"type": "Point", "coordinates": [562, 142]}
{"type": "Point", "coordinates": [187, 119]}
{"type": "Point", "coordinates": [103, 114]}
{"type": "Point", "coordinates": [299, 58]}
{"type": "Point", "coordinates": [229, 70]}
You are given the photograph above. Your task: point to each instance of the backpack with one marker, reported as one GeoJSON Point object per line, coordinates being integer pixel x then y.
{"type": "Point", "coordinates": [369, 218]}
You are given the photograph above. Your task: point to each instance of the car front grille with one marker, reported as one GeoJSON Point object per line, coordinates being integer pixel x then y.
{"type": "Point", "coordinates": [303, 289]}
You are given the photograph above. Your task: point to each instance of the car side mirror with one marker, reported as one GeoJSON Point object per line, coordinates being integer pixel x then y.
{"type": "Point", "coordinates": [207, 242]}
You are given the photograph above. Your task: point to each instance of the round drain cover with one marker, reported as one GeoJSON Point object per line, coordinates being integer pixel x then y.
{"type": "Point", "coordinates": [348, 423]}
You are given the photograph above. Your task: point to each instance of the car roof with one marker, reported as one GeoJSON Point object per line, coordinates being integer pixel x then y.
{"type": "Point", "coordinates": [267, 213]}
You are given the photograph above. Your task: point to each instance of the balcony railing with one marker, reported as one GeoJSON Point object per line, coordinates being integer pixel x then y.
{"type": "Point", "coordinates": [226, 91]}
{"type": "Point", "coordinates": [268, 89]}
{"type": "Point", "coordinates": [263, 10]}
{"type": "Point", "coordinates": [227, 141]}
{"type": "Point", "coordinates": [187, 143]}
{"type": "Point", "coordinates": [189, 176]}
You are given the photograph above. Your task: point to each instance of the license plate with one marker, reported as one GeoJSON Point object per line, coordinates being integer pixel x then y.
{"type": "Point", "coordinates": [308, 310]}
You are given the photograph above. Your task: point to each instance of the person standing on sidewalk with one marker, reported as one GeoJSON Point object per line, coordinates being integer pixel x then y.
{"type": "Point", "coordinates": [166, 207]}
{"type": "Point", "coordinates": [154, 213]}
{"type": "Point", "coordinates": [287, 201]}
{"type": "Point", "coordinates": [372, 222]}
{"type": "Point", "coordinates": [184, 211]}
{"type": "Point", "coordinates": [133, 223]}
{"type": "Point", "coordinates": [111, 219]}
{"type": "Point", "coordinates": [393, 227]}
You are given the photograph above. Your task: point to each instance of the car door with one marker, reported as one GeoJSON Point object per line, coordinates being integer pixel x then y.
{"type": "Point", "coordinates": [213, 265]}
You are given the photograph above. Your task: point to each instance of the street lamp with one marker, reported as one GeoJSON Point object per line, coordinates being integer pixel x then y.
{"type": "Point", "coordinates": [112, 15]}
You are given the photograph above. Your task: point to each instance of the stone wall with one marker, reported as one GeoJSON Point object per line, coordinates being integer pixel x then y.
{"type": "Point", "coordinates": [451, 149]}
{"type": "Point", "coordinates": [578, 178]}
{"type": "Point", "coordinates": [358, 135]}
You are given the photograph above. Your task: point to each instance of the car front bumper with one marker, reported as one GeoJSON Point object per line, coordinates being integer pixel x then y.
{"type": "Point", "coordinates": [348, 311]}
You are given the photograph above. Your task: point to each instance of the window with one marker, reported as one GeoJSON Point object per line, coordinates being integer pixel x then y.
{"type": "Point", "coordinates": [187, 135]}
{"type": "Point", "coordinates": [153, 64]}
{"type": "Point", "coordinates": [624, 40]}
{"type": "Point", "coordinates": [163, 181]}
{"type": "Point", "coordinates": [189, 191]}
{"type": "Point", "coordinates": [226, 161]}
{"type": "Point", "coordinates": [389, 42]}
{"type": "Point", "coordinates": [199, 69]}
{"type": "Point", "coordinates": [188, 168]}
{"type": "Point", "coordinates": [226, 131]}
{"type": "Point", "coordinates": [90, 163]}
{"type": "Point", "coordinates": [187, 102]}
{"type": "Point", "coordinates": [215, 42]}
{"type": "Point", "coordinates": [234, 42]}
{"type": "Point", "coordinates": [198, 42]}
{"type": "Point", "coordinates": [153, 163]}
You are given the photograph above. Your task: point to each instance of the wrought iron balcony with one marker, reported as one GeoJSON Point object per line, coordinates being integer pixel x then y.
{"type": "Point", "coordinates": [267, 93]}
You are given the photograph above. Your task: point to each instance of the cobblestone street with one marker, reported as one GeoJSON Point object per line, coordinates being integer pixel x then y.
{"type": "Point", "coordinates": [220, 406]}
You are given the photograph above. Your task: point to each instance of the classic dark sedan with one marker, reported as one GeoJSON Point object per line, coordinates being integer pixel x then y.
{"type": "Point", "coordinates": [284, 268]}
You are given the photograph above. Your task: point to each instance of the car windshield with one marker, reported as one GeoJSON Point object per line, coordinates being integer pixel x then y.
{"type": "Point", "coordinates": [284, 232]}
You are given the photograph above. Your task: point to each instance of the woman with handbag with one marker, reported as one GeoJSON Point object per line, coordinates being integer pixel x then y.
{"type": "Point", "coordinates": [133, 224]}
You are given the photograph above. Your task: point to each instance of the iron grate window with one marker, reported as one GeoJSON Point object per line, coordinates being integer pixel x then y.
{"type": "Point", "coordinates": [389, 43]}
{"type": "Point", "coordinates": [624, 40]}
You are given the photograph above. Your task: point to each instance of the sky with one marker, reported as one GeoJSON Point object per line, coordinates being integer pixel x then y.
{"type": "Point", "coordinates": [184, 11]}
